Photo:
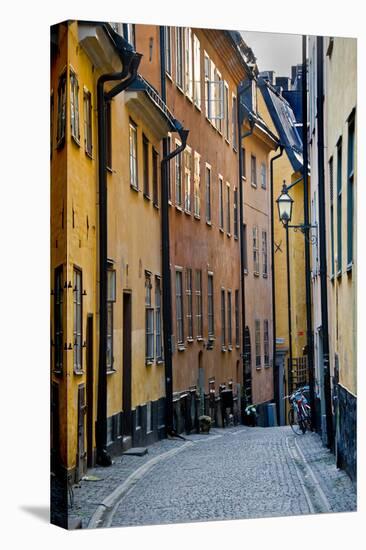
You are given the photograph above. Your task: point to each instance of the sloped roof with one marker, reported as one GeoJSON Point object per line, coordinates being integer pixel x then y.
{"type": "Point", "coordinates": [285, 122]}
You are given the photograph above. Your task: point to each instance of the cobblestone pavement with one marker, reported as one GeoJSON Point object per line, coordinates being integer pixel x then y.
{"type": "Point", "coordinates": [234, 473]}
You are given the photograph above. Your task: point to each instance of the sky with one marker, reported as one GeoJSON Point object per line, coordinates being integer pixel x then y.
{"type": "Point", "coordinates": [274, 51]}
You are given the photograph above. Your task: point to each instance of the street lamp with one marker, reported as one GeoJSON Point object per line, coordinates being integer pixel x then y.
{"type": "Point", "coordinates": [284, 205]}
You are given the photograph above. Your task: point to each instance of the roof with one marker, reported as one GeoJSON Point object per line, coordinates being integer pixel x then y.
{"type": "Point", "coordinates": [285, 122]}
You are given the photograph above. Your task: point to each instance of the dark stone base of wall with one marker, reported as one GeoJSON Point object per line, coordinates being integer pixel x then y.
{"type": "Point", "coordinates": [143, 431]}
{"type": "Point", "coordinates": [346, 433]}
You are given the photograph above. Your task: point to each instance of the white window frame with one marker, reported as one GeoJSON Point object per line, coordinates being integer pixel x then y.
{"type": "Point", "coordinates": [187, 180]}
{"type": "Point", "coordinates": [196, 72]}
{"type": "Point", "coordinates": [221, 202]}
{"type": "Point", "coordinates": [234, 121]}
{"type": "Point", "coordinates": [179, 301]}
{"type": "Point", "coordinates": [168, 50]}
{"type": "Point", "coordinates": [265, 253]}
{"type": "Point", "coordinates": [226, 112]}
{"type": "Point", "coordinates": [263, 175]}
{"type": "Point", "coordinates": [189, 296]}
{"type": "Point", "coordinates": [178, 173]}
{"type": "Point", "coordinates": [197, 185]}
{"type": "Point", "coordinates": [188, 63]}
{"type": "Point", "coordinates": [228, 209]}
{"type": "Point", "coordinates": [179, 57]}
{"type": "Point", "coordinates": [255, 250]}
{"type": "Point", "coordinates": [133, 152]}
{"type": "Point", "coordinates": [208, 193]}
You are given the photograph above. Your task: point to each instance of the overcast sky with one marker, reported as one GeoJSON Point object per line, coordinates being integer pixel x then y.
{"type": "Point", "coordinates": [275, 52]}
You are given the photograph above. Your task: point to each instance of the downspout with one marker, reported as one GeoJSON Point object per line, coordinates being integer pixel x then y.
{"type": "Point", "coordinates": [276, 397]}
{"type": "Point", "coordinates": [166, 273]}
{"type": "Point", "coordinates": [130, 61]}
{"type": "Point", "coordinates": [309, 333]}
{"type": "Point", "coordinates": [241, 232]}
{"type": "Point", "coordinates": [322, 241]}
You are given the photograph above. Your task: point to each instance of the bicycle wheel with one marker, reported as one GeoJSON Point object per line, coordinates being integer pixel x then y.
{"type": "Point", "coordinates": [295, 423]}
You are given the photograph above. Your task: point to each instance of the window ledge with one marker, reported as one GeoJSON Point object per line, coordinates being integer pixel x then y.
{"type": "Point", "coordinates": [188, 212]}
{"type": "Point", "coordinates": [267, 366]}
{"type": "Point", "coordinates": [197, 217]}
{"type": "Point", "coordinates": [60, 143]}
{"type": "Point", "coordinates": [75, 140]}
{"type": "Point", "coordinates": [339, 274]}
{"type": "Point", "coordinates": [332, 278]}
{"type": "Point", "coordinates": [179, 208]}
{"type": "Point", "coordinates": [349, 267]}
{"type": "Point", "coordinates": [79, 372]}
{"type": "Point", "coordinates": [236, 237]}
{"type": "Point", "coordinates": [147, 197]}
{"type": "Point", "coordinates": [179, 88]}
{"type": "Point", "coordinates": [223, 349]}
{"type": "Point", "coordinates": [258, 368]}
{"type": "Point", "coordinates": [169, 76]}
{"type": "Point", "coordinates": [245, 271]}
{"type": "Point", "coordinates": [190, 340]}
{"type": "Point", "coordinates": [230, 348]}
{"type": "Point", "coordinates": [211, 338]}
{"type": "Point", "coordinates": [209, 223]}
{"type": "Point", "coordinates": [221, 229]}
{"type": "Point", "coordinates": [256, 273]}
{"type": "Point", "coordinates": [109, 169]}
{"type": "Point", "coordinates": [181, 347]}
{"type": "Point", "coordinates": [265, 275]}
{"type": "Point", "coordinates": [227, 141]}
{"type": "Point", "coordinates": [237, 346]}
{"type": "Point", "coordinates": [160, 362]}
{"type": "Point", "coordinates": [197, 107]}
{"type": "Point", "coordinates": [156, 206]}
{"type": "Point", "coordinates": [89, 155]}
{"type": "Point", "coordinates": [134, 188]}
{"type": "Point", "coordinates": [199, 339]}
{"type": "Point", "coordinates": [149, 362]}
{"type": "Point", "coordinates": [111, 371]}
{"type": "Point", "coordinates": [228, 234]}
{"type": "Point", "coordinates": [57, 372]}
{"type": "Point", "coordinates": [170, 202]}
{"type": "Point", "coordinates": [254, 185]}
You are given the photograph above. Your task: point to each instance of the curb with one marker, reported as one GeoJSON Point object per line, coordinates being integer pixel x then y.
{"type": "Point", "coordinates": [103, 515]}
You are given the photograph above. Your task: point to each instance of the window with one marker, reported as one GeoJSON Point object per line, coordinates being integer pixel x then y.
{"type": "Point", "coordinates": [339, 207]}
{"type": "Point", "coordinates": [158, 335]}
{"type": "Point", "coordinates": [207, 66]}
{"type": "Point", "coordinates": [61, 110]}
{"type": "Point", "coordinates": [221, 204]}
{"type": "Point", "coordinates": [129, 33]}
{"type": "Point", "coordinates": [266, 343]}
{"type": "Point", "coordinates": [77, 291]}
{"type": "Point", "coordinates": [52, 114]}
{"type": "Point", "coordinates": [258, 358]}
{"type": "Point", "coordinates": [145, 164]}
{"type": "Point", "coordinates": [179, 56]}
{"type": "Point", "coordinates": [168, 50]}
{"type": "Point", "coordinates": [210, 302]}
{"type": "Point", "coordinates": [226, 112]}
{"type": "Point", "coordinates": [229, 321]}
{"type": "Point", "coordinates": [243, 163]}
{"type": "Point", "coordinates": [88, 123]}
{"type": "Point", "coordinates": [237, 321]}
{"type": "Point", "coordinates": [149, 320]}
{"type": "Point", "coordinates": [187, 179]}
{"type": "Point", "coordinates": [197, 71]}
{"type": "Point", "coordinates": [58, 319]}
{"type": "Point", "coordinates": [108, 123]}
{"type": "Point", "coordinates": [178, 177]}
{"type": "Point", "coordinates": [111, 287]}
{"type": "Point", "coordinates": [245, 246]}
{"type": "Point", "coordinates": [197, 193]}
{"type": "Point", "coordinates": [179, 306]}
{"type": "Point", "coordinates": [219, 100]}
{"type": "Point", "coordinates": [263, 176]}
{"type": "Point", "coordinates": [169, 172]}
{"type": "Point", "coordinates": [208, 193]}
{"type": "Point", "coordinates": [235, 213]}
{"type": "Point", "coordinates": [253, 165]}
{"type": "Point", "coordinates": [265, 253]}
{"type": "Point", "coordinates": [255, 251]}
{"type": "Point", "coordinates": [331, 193]}
{"type": "Point", "coordinates": [188, 62]}
{"type": "Point", "coordinates": [133, 155]}
{"type": "Point", "coordinates": [234, 115]}
{"type": "Point", "coordinates": [228, 211]}
{"type": "Point", "coordinates": [189, 303]}
{"type": "Point", "coordinates": [223, 319]}
{"type": "Point", "coordinates": [74, 106]}
{"type": "Point", "coordinates": [350, 198]}
{"type": "Point", "coordinates": [155, 174]}
{"type": "Point", "coordinates": [199, 328]}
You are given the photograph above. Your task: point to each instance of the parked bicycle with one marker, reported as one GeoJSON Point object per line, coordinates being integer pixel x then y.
{"type": "Point", "coordinates": [299, 415]}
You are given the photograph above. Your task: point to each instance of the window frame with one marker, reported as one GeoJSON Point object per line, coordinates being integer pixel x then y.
{"type": "Point", "coordinates": [189, 298]}
{"type": "Point", "coordinates": [255, 250]}
{"type": "Point", "coordinates": [179, 300]}
{"type": "Point", "coordinates": [58, 318]}
{"type": "Point", "coordinates": [179, 58]}
{"type": "Point", "coordinates": [155, 176]}
{"type": "Point", "coordinates": [264, 253]}
{"type": "Point", "coordinates": [228, 210]}
{"type": "Point", "coordinates": [61, 109]}
{"type": "Point", "coordinates": [187, 163]}
{"type": "Point", "coordinates": [221, 203]}
{"type": "Point", "coordinates": [199, 308]}
{"type": "Point", "coordinates": [133, 158]}
{"type": "Point", "coordinates": [339, 206]}
{"type": "Point", "coordinates": [331, 207]}
{"type": "Point", "coordinates": [168, 50]}
{"type": "Point", "coordinates": [229, 321]}
{"type": "Point", "coordinates": [159, 354]}
{"type": "Point", "coordinates": [253, 171]}
{"type": "Point", "coordinates": [74, 107]}
{"type": "Point", "coordinates": [77, 320]}
{"type": "Point", "coordinates": [88, 122]}
{"type": "Point", "coordinates": [196, 72]}
{"type": "Point", "coordinates": [237, 319]}
{"type": "Point", "coordinates": [196, 185]}
{"type": "Point", "coordinates": [258, 350]}
{"type": "Point", "coordinates": [234, 121]}
{"type": "Point", "coordinates": [235, 214]}
{"type": "Point", "coordinates": [210, 305]}
{"type": "Point", "coordinates": [145, 166]}
{"type": "Point", "coordinates": [263, 175]}
{"type": "Point", "coordinates": [149, 320]}
{"type": "Point", "coordinates": [350, 190]}
{"type": "Point", "coordinates": [223, 319]}
{"type": "Point", "coordinates": [111, 299]}
{"type": "Point", "coordinates": [266, 343]}
{"type": "Point", "coordinates": [178, 177]}
{"type": "Point", "coordinates": [208, 203]}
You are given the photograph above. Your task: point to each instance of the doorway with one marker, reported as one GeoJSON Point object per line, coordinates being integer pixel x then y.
{"type": "Point", "coordinates": [127, 363]}
{"type": "Point", "coordinates": [89, 390]}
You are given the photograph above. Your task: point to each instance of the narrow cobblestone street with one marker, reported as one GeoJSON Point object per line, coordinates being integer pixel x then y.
{"type": "Point", "coordinates": [229, 474]}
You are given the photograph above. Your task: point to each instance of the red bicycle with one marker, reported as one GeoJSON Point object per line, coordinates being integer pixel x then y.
{"type": "Point", "coordinates": [299, 415]}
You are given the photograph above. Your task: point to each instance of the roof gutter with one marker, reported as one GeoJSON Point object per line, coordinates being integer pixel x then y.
{"type": "Point", "coordinates": [130, 61]}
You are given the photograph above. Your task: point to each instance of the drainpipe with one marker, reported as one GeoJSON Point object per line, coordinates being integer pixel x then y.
{"type": "Point", "coordinates": [275, 393]}
{"type": "Point", "coordinates": [322, 241]}
{"type": "Point", "coordinates": [166, 273]}
{"type": "Point", "coordinates": [130, 61]}
{"type": "Point", "coordinates": [241, 220]}
{"type": "Point", "coordinates": [309, 330]}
